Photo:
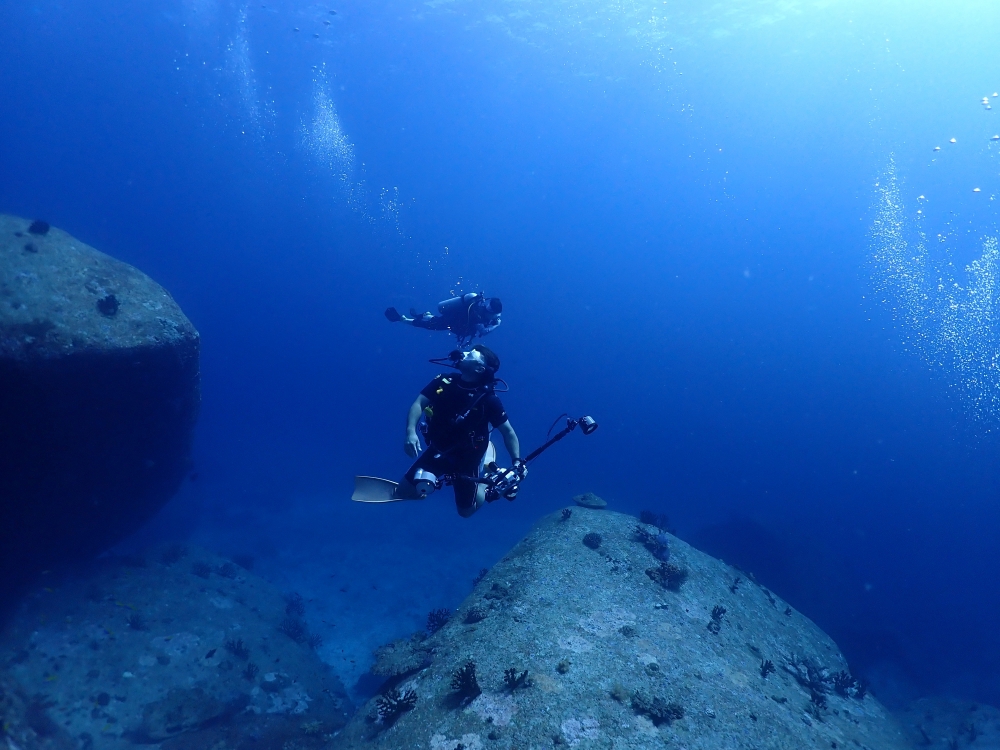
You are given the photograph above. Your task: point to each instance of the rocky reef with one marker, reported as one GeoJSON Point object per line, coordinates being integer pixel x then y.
{"type": "Point", "coordinates": [948, 724]}
{"type": "Point", "coordinates": [99, 393]}
{"type": "Point", "coordinates": [571, 643]}
{"type": "Point", "coordinates": [179, 649]}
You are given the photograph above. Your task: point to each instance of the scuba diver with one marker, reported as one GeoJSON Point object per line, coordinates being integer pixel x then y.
{"type": "Point", "coordinates": [470, 316]}
{"type": "Point", "coordinates": [458, 413]}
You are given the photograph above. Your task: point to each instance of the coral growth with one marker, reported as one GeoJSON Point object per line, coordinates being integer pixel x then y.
{"type": "Point", "coordinates": [227, 570]}
{"type": "Point", "coordinates": [394, 704]}
{"type": "Point", "coordinates": [766, 668]}
{"type": "Point", "coordinates": [565, 515]}
{"type": "Point", "coordinates": [735, 585]}
{"type": "Point", "coordinates": [250, 671]}
{"type": "Point", "coordinates": [479, 577]}
{"type": "Point", "coordinates": [592, 540]}
{"type": "Point", "coordinates": [238, 649]}
{"type": "Point", "coordinates": [436, 619]}
{"type": "Point", "coordinates": [668, 575]}
{"type": "Point", "coordinates": [659, 520]}
{"type": "Point", "coordinates": [39, 227]}
{"type": "Point", "coordinates": [655, 543]}
{"type": "Point", "coordinates": [842, 682]}
{"type": "Point", "coordinates": [656, 708]}
{"type": "Point", "coordinates": [818, 681]}
{"type": "Point", "coordinates": [136, 622]}
{"type": "Point", "coordinates": [846, 685]}
{"type": "Point", "coordinates": [201, 569]}
{"type": "Point", "coordinates": [294, 605]}
{"type": "Point", "coordinates": [464, 682]}
{"type": "Point", "coordinates": [294, 628]}
{"type": "Point", "coordinates": [514, 679]}
{"type": "Point", "coordinates": [718, 612]}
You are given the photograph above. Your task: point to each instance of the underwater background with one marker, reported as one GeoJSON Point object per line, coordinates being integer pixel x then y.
{"type": "Point", "coordinates": [756, 240]}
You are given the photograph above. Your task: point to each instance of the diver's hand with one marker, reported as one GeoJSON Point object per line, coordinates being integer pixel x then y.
{"type": "Point", "coordinates": [412, 445]}
{"type": "Point", "coordinates": [521, 468]}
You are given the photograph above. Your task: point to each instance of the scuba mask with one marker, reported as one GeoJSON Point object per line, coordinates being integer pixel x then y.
{"type": "Point", "coordinates": [470, 363]}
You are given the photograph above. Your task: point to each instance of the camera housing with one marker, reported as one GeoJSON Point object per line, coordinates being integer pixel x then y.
{"type": "Point", "coordinates": [425, 482]}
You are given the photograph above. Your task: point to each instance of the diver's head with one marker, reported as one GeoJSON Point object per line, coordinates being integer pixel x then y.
{"type": "Point", "coordinates": [494, 306]}
{"type": "Point", "coordinates": [477, 364]}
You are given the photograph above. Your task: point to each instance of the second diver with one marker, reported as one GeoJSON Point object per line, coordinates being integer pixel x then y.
{"type": "Point", "coordinates": [470, 316]}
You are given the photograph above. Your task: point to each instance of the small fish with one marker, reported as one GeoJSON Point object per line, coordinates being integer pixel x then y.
{"type": "Point", "coordinates": [952, 141]}
{"type": "Point", "coordinates": [995, 138]}
{"type": "Point", "coordinates": [976, 190]}
{"type": "Point", "coordinates": [52, 678]}
{"type": "Point", "coordinates": [921, 198]}
{"type": "Point", "coordinates": [937, 148]}
{"type": "Point", "coordinates": [211, 653]}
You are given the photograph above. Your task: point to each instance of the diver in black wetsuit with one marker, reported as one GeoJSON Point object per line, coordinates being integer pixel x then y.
{"type": "Point", "coordinates": [468, 316]}
{"type": "Point", "coordinates": [459, 412]}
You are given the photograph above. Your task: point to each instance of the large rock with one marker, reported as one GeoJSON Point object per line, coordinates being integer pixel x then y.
{"type": "Point", "coordinates": [180, 649]}
{"type": "Point", "coordinates": [942, 723]}
{"type": "Point", "coordinates": [99, 392]}
{"type": "Point", "coordinates": [584, 636]}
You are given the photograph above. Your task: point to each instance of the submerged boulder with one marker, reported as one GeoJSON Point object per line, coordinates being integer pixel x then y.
{"type": "Point", "coordinates": [179, 648]}
{"type": "Point", "coordinates": [99, 393]}
{"type": "Point", "coordinates": [568, 644]}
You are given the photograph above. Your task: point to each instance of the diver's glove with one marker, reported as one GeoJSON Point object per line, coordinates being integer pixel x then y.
{"type": "Point", "coordinates": [520, 468]}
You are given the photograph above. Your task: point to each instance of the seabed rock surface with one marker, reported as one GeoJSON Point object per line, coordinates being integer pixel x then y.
{"type": "Point", "coordinates": [566, 644]}
{"type": "Point", "coordinates": [99, 393]}
{"type": "Point", "coordinates": [180, 649]}
{"type": "Point", "coordinates": [943, 723]}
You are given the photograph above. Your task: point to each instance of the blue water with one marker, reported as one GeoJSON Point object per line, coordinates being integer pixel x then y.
{"type": "Point", "coordinates": [676, 202]}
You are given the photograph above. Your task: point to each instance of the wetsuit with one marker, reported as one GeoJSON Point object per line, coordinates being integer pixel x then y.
{"type": "Point", "coordinates": [467, 317]}
{"type": "Point", "coordinates": [459, 417]}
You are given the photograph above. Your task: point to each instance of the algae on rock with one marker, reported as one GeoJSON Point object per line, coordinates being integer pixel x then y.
{"type": "Point", "coordinates": [614, 659]}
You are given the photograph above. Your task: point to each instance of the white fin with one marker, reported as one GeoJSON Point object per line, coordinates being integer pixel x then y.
{"type": "Point", "coordinates": [374, 490]}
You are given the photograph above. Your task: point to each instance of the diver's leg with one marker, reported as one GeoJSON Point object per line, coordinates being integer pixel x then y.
{"type": "Point", "coordinates": [469, 497]}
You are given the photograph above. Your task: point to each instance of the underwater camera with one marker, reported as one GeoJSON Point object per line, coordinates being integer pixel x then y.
{"type": "Point", "coordinates": [425, 482]}
{"type": "Point", "coordinates": [506, 482]}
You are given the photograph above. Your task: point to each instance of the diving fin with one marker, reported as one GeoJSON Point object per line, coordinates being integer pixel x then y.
{"type": "Point", "coordinates": [376, 490]}
{"type": "Point", "coordinates": [373, 490]}
{"type": "Point", "coordinates": [489, 457]}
